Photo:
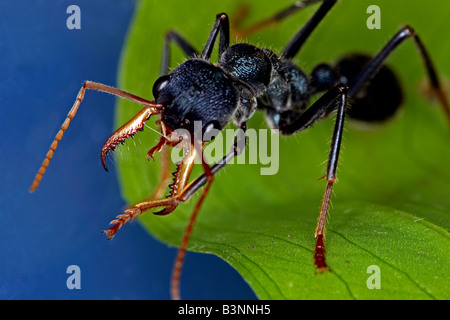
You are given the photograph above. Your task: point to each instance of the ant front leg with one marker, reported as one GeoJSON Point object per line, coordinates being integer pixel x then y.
{"type": "Point", "coordinates": [238, 147]}
{"type": "Point", "coordinates": [181, 178]}
{"type": "Point", "coordinates": [192, 188]}
{"type": "Point", "coordinates": [185, 167]}
{"type": "Point", "coordinates": [179, 260]}
{"type": "Point", "coordinates": [182, 192]}
{"type": "Point", "coordinates": [322, 107]}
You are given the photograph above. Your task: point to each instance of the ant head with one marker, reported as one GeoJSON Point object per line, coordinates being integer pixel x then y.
{"type": "Point", "coordinates": [197, 96]}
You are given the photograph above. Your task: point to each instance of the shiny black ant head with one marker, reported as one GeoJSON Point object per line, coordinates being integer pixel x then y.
{"type": "Point", "coordinates": [197, 96]}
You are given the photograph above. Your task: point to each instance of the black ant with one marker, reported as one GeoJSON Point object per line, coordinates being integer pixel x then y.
{"type": "Point", "coordinates": [246, 79]}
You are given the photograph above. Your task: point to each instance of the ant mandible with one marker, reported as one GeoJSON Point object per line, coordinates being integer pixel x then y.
{"type": "Point", "coordinates": [245, 79]}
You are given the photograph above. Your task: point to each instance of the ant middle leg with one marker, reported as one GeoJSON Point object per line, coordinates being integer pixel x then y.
{"type": "Point", "coordinates": [243, 11]}
{"type": "Point", "coordinates": [321, 108]}
{"type": "Point", "coordinates": [302, 35]}
{"type": "Point", "coordinates": [297, 42]}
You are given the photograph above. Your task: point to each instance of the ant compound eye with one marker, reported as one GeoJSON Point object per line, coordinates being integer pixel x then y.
{"type": "Point", "coordinates": [211, 130]}
{"type": "Point", "coordinates": [159, 85]}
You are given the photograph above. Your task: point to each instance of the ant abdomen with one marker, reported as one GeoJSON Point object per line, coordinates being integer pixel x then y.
{"type": "Point", "coordinates": [379, 99]}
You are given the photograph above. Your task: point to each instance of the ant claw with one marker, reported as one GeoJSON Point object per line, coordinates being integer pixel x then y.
{"type": "Point", "coordinates": [120, 220]}
{"type": "Point", "coordinates": [322, 269]}
{"type": "Point", "coordinates": [109, 233]}
{"type": "Point", "coordinates": [165, 211]}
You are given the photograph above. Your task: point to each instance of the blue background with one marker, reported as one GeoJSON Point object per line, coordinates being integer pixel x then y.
{"type": "Point", "coordinates": [43, 65]}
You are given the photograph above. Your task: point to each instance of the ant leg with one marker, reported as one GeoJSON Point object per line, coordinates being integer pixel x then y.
{"type": "Point", "coordinates": [150, 106]}
{"type": "Point", "coordinates": [188, 49]}
{"type": "Point", "coordinates": [276, 18]}
{"type": "Point", "coordinates": [164, 178]}
{"type": "Point", "coordinates": [238, 147]}
{"type": "Point", "coordinates": [207, 179]}
{"type": "Point", "coordinates": [319, 255]}
{"type": "Point", "coordinates": [222, 24]}
{"type": "Point", "coordinates": [181, 177]}
{"type": "Point", "coordinates": [372, 68]}
{"type": "Point", "coordinates": [293, 47]}
{"type": "Point", "coordinates": [296, 43]}
{"type": "Point", "coordinates": [322, 107]}
{"type": "Point", "coordinates": [179, 260]}
{"type": "Point", "coordinates": [181, 191]}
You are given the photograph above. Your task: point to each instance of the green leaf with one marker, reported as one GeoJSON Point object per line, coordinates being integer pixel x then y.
{"type": "Point", "coordinates": [391, 204]}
